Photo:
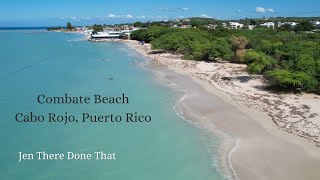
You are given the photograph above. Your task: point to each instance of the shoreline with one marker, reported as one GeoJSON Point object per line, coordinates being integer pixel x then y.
{"type": "Point", "coordinates": [244, 157]}
{"type": "Point", "coordinates": [304, 107]}
{"type": "Point", "coordinates": [167, 77]}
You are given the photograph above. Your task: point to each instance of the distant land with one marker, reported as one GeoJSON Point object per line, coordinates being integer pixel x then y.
{"type": "Point", "coordinates": [22, 28]}
{"type": "Point", "coordinates": [192, 19]}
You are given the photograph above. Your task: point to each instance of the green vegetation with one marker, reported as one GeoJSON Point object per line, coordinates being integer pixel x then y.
{"type": "Point", "coordinates": [69, 26]}
{"type": "Point", "coordinates": [304, 26]}
{"type": "Point", "coordinates": [288, 57]}
{"type": "Point", "coordinates": [192, 43]}
{"type": "Point", "coordinates": [54, 28]}
{"type": "Point", "coordinates": [258, 62]}
{"type": "Point", "coordinates": [139, 24]}
{"type": "Point", "coordinates": [97, 28]}
{"type": "Point", "coordinates": [151, 33]}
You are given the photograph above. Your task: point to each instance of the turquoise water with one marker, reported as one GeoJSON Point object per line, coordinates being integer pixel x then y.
{"type": "Point", "coordinates": [38, 62]}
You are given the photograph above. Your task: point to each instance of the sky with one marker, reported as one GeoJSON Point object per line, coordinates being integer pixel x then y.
{"type": "Point", "coordinates": [26, 13]}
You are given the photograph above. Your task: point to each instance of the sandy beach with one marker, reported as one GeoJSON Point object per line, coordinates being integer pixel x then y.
{"type": "Point", "coordinates": [273, 136]}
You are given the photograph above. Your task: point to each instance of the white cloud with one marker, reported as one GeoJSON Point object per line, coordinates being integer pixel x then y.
{"type": "Point", "coordinates": [205, 16]}
{"type": "Point", "coordinates": [270, 10]}
{"type": "Point", "coordinates": [175, 9]}
{"type": "Point", "coordinates": [129, 16]}
{"type": "Point", "coordinates": [112, 16]}
{"type": "Point", "coordinates": [264, 10]}
{"type": "Point", "coordinates": [260, 10]}
{"type": "Point", "coordinates": [74, 18]}
{"type": "Point", "coordinates": [141, 17]}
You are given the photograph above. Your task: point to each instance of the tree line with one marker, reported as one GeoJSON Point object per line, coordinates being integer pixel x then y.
{"type": "Point", "coordinates": [287, 59]}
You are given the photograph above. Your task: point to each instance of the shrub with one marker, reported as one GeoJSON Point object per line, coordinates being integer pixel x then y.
{"type": "Point", "coordinates": [293, 79]}
{"type": "Point", "coordinates": [258, 62]}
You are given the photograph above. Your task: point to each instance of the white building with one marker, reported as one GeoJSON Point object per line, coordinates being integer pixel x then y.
{"type": "Point", "coordinates": [268, 25]}
{"type": "Point", "coordinates": [113, 34]}
{"type": "Point", "coordinates": [235, 25]}
{"type": "Point", "coordinates": [250, 27]}
{"type": "Point", "coordinates": [315, 23]}
{"type": "Point", "coordinates": [224, 25]}
{"type": "Point", "coordinates": [290, 23]}
{"type": "Point", "coordinates": [212, 26]}
{"type": "Point", "coordinates": [107, 35]}
{"type": "Point", "coordinates": [88, 31]}
{"type": "Point", "coordinates": [185, 26]}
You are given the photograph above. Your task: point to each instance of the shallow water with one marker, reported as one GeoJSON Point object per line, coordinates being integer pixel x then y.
{"type": "Point", "coordinates": [36, 62]}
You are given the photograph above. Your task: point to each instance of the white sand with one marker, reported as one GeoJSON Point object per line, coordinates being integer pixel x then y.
{"type": "Point", "coordinates": [268, 127]}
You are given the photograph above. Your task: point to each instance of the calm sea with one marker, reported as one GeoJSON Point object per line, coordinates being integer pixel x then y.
{"type": "Point", "coordinates": [37, 62]}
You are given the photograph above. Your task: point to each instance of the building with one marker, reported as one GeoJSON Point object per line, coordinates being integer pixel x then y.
{"type": "Point", "coordinates": [107, 35]}
{"type": "Point", "coordinates": [268, 25]}
{"type": "Point", "coordinates": [185, 26]}
{"type": "Point", "coordinates": [235, 25]}
{"type": "Point", "coordinates": [88, 31]}
{"type": "Point", "coordinates": [176, 20]}
{"type": "Point", "coordinates": [212, 26]}
{"type": "Point", "coordinates": [113, 35]}
{"type": "Point", "coordinates": [279, 24]}
{"type": "Point", "coordinates": [290, 23]}
{"type": "Point", "coordinates": [315, 23]}
{"type": "Point", "coordinates": [127, 33]}
{"type": "Point", "coordinates": [250, 27]}
{"type": "Point", "coordinates": [224, 25]}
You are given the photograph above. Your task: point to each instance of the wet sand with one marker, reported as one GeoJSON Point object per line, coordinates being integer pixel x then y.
{"type": "Point", "coordinates": [253, 147]}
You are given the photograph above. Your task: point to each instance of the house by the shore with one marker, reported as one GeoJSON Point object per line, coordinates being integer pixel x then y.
{"type": "Point", "coordinates": [112, 35]}
{"type": "Point", "coordinates": [268, 25]}
{"type": "Point", "coordinates": [235, 25]}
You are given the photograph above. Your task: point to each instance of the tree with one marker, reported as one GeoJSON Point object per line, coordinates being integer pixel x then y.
{"type": "Point", "coordinates": [192, 43]}
{"type": "Point", "coordinates": [290, 60]}
{"type": "Point", "coordinates": [317, 75]}
{"type": "Point", "coordinates": [253, 22]}
{"type": "Point", "coordinates": [138, 24]}
{"type": "Point", "coordinates": [150, 34]}
{"type": "Point", "coordinates": [239, 46]}
{"type": "Point", "coordinates": [258, 62]}
{"type": "Point", "coordinates": [239, 42]}
{"type": "Point", "coordinates": [220, 48]}
{"type": "Point", "coordinates": [97, 28]}
{"type": "Point", "coordinates": [286, 27]}
{"type": "Point", "coordinates": [306, 63]}
{"type": "Point", "coordinates": [304, 26]}
{"type": "Point", "coordinates": [69, 26]}
{"type": "Point", "coordinates": [293, 79]}
{"type": "Point", "coordinates": [268, 47]}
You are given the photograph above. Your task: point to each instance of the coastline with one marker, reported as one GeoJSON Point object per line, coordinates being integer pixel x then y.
{"type": "Point", "coordinates": [259, 150]}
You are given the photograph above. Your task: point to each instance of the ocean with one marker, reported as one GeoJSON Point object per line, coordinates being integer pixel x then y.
{"type": "Point", "coordinates": [35, 62]}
